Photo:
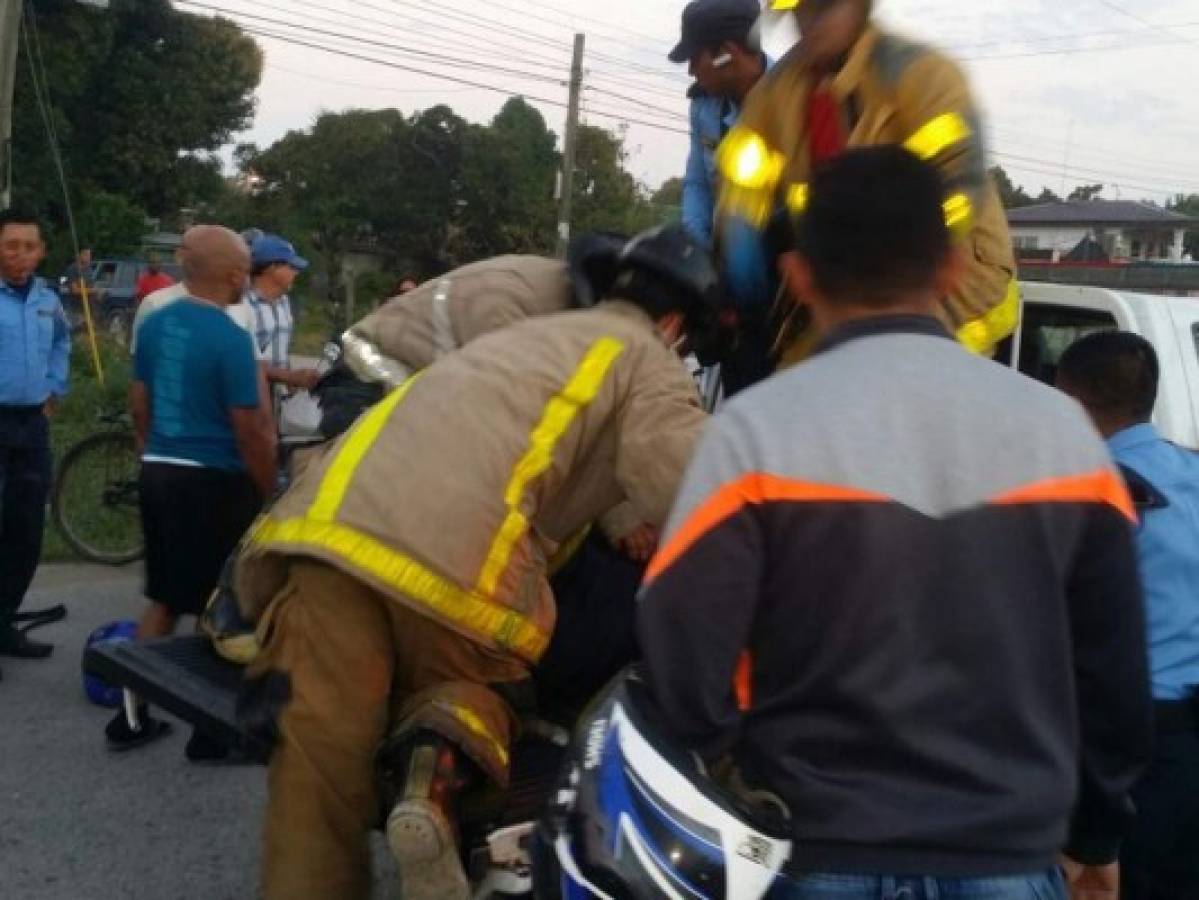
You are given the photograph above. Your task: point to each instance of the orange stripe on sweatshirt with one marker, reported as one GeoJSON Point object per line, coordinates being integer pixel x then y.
{"type": "Point", "coordinates": [1100, 486]}
{"type": "Point", "coordinates": [754, 488]}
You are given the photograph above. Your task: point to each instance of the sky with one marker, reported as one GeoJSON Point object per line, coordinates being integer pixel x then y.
{"type": "Point", "coordinates": [1079, 92]}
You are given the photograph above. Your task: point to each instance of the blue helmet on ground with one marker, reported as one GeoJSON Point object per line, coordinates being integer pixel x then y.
{"type": "Point", "coordinates": [636, 817]}
{"type": "Point", "coordinates": [98, 690]}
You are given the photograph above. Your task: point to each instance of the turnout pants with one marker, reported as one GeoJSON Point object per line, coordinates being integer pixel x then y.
{"type": "Point", "coordinates": [362, 667]}
{"type": "Point", "coordinates": [25, 465]}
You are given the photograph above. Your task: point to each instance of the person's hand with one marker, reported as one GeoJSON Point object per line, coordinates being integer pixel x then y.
{"type": "Point", "coordinates": [304, 379]}
{"type": "Point", "coordinates": [640, 543]}
{"type": "Point", "coordinates": [50, 407]}
{"type": "Point", "coordinates": [1091, 882]}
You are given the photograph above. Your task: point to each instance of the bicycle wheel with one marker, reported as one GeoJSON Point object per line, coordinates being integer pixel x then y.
{"type": "Point", "coordinates": [95, 500]}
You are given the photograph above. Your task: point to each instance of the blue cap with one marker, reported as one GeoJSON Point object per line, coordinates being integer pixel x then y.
{"type": "Point", "coordinates": [270, 248]}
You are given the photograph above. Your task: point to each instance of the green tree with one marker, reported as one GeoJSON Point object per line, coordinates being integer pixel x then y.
{"type": "Point", "coordinates": [507, 203]}
{"type": "Point", "coordinates": [1086, 192]}
{"type": "Point", "coordinates": [140, 95]}
{"type": "Point", "coordinates": [1047, 196]}
{"type": "Point", "coordinates": [1011, 194]}
{"type": "Point", "coordinates": [606, 196]}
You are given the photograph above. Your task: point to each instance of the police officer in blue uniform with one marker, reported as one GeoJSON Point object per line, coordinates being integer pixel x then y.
{"type": "Point", "coordinates": [1115, 376]}
{"type": "Point", "coordinates": [34, 351]}
{"type": "Point", "coordinates": [720, 45]}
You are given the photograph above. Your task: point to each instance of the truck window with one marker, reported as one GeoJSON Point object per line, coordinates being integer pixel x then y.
{"type": "Point", "coordinates": [105, 274]}
{"type": "Point", "coordinates": [1049, 330]}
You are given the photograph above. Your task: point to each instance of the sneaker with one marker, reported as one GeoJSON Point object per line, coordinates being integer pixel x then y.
{"type": "Point", "coordinates": [20, 645]}
{"type": "Point", "coordinates": [122, 737]}
{"type": "Point", "coordinates": [422, 842]}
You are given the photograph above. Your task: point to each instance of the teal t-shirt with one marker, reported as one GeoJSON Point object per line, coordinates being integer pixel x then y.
{"type": "Point", "coordinates": [198, 366]}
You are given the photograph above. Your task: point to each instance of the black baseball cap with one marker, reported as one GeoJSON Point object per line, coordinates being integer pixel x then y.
{"type": "Point", "coordinates": [709, 23]}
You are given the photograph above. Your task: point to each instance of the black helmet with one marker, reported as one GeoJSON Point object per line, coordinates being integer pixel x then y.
{"type": "Point", "coordinates": [592, 264]}
{"type": "Point", "coordinates": [637, 818]}
{"type": "Point", "coordinates": [670, 254]}
{"type": "Point", "coordinates": [666, 269]}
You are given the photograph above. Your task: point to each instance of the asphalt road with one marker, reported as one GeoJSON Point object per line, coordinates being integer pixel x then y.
{"type": "Point", "coordinates": [78, 822]}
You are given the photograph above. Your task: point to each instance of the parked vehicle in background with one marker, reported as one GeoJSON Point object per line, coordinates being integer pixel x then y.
{"type": "Point", "coordinates": [1055, 316]}
{"type": "Point", "coordinates": [112, 293]}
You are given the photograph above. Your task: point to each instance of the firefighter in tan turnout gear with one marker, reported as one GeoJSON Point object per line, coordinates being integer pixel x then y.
{"type": "Point", "coordinates": [849, 84]}
{"type": "Point", "coordinates": [400, 584]}
{"type": "Point", "coordinates": [411, 331]}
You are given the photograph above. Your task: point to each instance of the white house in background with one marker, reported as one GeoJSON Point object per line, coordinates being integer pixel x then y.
{"type": "Point", "coordinates": [1122, 230]}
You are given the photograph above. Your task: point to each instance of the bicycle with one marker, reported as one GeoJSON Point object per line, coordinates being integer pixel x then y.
{"type": "Point", "coordinates": [95, 498]}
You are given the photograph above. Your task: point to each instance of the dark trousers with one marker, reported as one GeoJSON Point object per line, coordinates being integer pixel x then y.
{"type": "Point", "coordinates": [25, 465]}
{"type": "Point", "coordinates": [1160, 860]}
{"type": "Point", "coordinates": [595, 635]}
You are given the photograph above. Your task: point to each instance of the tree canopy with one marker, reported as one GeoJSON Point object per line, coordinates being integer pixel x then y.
{"type": "Point", "coordinates": [430, 190]}
{"type": "Point", "coordinates": [140, 96]}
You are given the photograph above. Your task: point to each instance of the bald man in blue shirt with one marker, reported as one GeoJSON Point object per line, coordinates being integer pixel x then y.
{"type": "Point", "coordinates": [1115, 376]}
{"type": "Point", "coordinates": [34, 351]}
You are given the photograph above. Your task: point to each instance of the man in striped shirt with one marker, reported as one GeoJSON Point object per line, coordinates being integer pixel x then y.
{"type": "Point", "coordinates": [275, 267]}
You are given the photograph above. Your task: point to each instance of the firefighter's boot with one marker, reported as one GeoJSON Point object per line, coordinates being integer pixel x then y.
{"type": "Point", "coordinates": [421, 779]}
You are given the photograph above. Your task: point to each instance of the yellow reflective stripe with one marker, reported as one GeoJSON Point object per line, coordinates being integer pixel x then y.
{"type": "Point", "coordinates": [959, 213]}
{"type": "Point", "coordinates": [784, 5]}
{"type": "Point", "coordinates": [753, 206]}
{"type": "Point", "coordinates": [361, 437]}
{"type": "Point", "coordinates": [559, 413]}
{"type": "Point", "coordinates": [982, 334]}
{"type": "Point", "coordinates": [465, 608]}
{"type": "Point", "coordinates": [938, 135]}
{"type": "Point", "coordinates": [745, 160]}
{"type": "Point", "coordinates": [797, 198]}
{"type": "Point", "coordinates": [476, 726]}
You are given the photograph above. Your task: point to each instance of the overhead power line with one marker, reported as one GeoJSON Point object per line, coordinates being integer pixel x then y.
{"type": "Point", "coordinates": [1116, 7]}
{"type": "Point", "coordinates": [462, 40]}
{"type": "Point", "coordinates": [359, 39]}
{"type": "Point", "coordinates": [493, 88]}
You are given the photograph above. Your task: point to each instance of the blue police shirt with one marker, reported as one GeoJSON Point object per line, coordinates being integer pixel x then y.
{"type": "Point", "coordinates": [35, 345]}
{"type": "Point", "coordinates": [1168, 547]}
{"type": "Point", "coordinates": [711, 119]}
{"type": "Point", "coordinates": [197, 365]}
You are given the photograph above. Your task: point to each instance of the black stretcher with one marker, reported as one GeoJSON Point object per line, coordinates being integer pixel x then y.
{"type": "Point", "coordinates": [186, 677]}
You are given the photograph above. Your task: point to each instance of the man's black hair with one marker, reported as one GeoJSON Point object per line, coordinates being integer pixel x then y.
{"type": "Point", "coordinates": [262, 268]}
{"type": "Point", "coordinates": [1112, 372]}
{"type": "Point", "coordinates": [16, 216]}
{"type": "Point", "coordinates": [874, 226]}
{"type": "Point", "coordinates": [658, 296]}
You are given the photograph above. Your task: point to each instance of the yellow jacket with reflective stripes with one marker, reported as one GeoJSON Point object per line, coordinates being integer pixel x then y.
{"type": "Point", "coordinates": [448, 494]}
{"type": "Point", "coordinates": [892, 91]}
{"type": "Point", "coordinates": [451, 311]}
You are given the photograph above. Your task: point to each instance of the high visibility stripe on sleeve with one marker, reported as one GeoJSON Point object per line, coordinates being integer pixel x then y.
{"type": "Point", "coordinates": [1102, 486]}
{"type": "Point", "coordinates": [938, 135]}
{"type": "Point", "coordinates": [754, 488]}
{"type": "Point", "coordinates": [465, 608]}
{"type": "Point", "coordinates": [982, 334]}
{"type": "Point", "coordinates": [362, 436]}
{"type": "Point", "coordinates": [557, 417]}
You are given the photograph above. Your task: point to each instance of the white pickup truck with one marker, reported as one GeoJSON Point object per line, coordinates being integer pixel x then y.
{"type": "Point", "coordinates": [1057, 315]}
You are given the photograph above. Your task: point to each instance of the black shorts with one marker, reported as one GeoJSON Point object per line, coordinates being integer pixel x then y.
{"type": "Point", "coordinates": [193, 518]}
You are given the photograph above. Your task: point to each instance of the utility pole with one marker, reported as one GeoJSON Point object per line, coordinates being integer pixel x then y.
{"type": "Point", "coordinates": [568, 148]}
{"type": "Point", "coordinates": [10, 28]}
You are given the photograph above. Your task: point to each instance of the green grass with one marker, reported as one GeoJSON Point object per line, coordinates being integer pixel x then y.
{"type": "Point", "coordinates": [78, 416]}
